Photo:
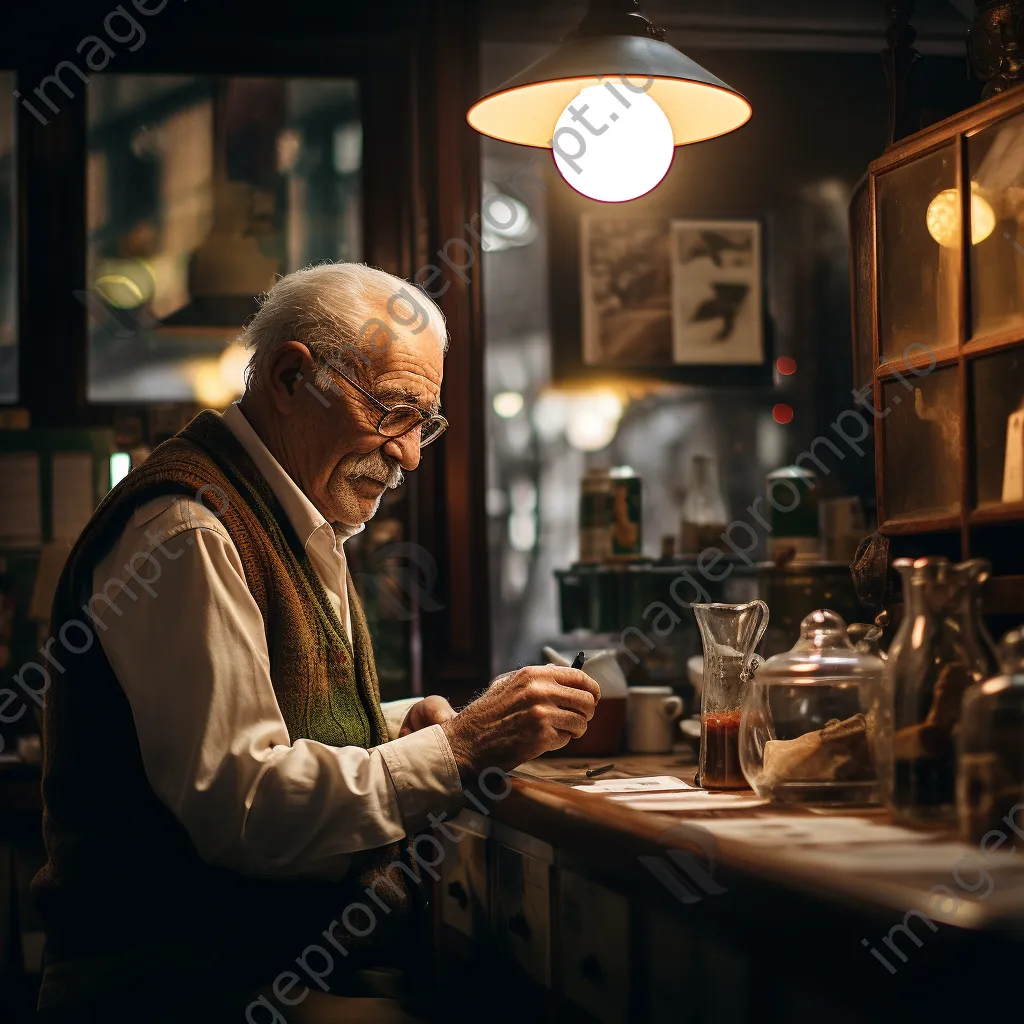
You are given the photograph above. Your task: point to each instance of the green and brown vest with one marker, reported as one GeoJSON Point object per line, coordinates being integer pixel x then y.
{"type": "Point", "coordinates": [124, 887]}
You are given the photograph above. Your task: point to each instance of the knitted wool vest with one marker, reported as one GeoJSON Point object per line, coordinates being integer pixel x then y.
{"type": "Point", "coordinates": [124, 888]}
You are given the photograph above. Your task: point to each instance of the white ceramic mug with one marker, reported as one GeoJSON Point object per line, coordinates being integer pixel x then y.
{"type": "Point", "coordinates": [651, 712]}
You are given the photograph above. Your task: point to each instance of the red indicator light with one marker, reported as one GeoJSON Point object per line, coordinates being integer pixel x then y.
{"type": "Point", "coordinates": [782, 413]}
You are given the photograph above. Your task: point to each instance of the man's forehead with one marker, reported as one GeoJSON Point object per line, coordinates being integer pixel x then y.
{"type": "Point", "coordinates": [406, 353]}
{"type": "Point", "coordinates": [409, 370]}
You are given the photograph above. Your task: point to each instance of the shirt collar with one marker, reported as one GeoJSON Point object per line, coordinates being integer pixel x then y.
{"type": "Point", "coordinates": [301, 512]}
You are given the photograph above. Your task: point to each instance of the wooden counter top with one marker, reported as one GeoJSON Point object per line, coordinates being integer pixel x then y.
{"type": "Point", "coordinates": [905, 870]}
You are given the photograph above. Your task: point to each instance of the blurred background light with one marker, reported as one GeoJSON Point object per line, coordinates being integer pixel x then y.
{"type": "Point", "coordinates": [508, 404]}
{"type": "Point", "coordinates": [782, 413]}
{"type": "Point", "coordinates": [231, 366]}
{"type": "Point", "coordinates": [593, 420]}
{"type": "Point", "coordinates": [120, 465]}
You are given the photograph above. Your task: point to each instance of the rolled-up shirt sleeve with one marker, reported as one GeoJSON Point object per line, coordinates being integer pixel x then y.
{"type": "Point", "coordinates": [191, 656]}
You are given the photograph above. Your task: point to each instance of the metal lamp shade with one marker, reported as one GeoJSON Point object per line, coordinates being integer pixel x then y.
{"type": "Point", "coordinates": [524, 110]}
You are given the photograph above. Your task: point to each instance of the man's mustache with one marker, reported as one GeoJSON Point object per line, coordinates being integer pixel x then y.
{"type": "Point", "coordinates": [378, 467]}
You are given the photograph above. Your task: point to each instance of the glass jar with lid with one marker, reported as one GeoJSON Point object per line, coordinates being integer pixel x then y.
{"type": "Point", "coordinates": [990, 776]}
{"type": "Point", "coordinates": [807, 731]}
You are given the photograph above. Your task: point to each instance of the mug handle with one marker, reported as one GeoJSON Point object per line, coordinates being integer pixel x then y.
{"type": "Point", "coordinates": [672, 707]}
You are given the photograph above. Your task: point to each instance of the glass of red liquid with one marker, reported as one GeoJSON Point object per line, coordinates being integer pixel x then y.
{"type": "Point", "coordinates": [729, 633]}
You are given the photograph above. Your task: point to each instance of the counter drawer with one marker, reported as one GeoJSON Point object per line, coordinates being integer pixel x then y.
{"type": "Point", "coordinates": [673, 981]}
{"type": "Point", "coordinates": [522, 911]}
{"type": "Point", "coordinates": [593, 947]}
{"type": "Point", "coordinates": [465, 901]}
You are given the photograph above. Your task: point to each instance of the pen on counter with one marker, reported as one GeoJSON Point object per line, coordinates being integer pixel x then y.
{"type": "Point", "coordinates": [577, 662]}
{"type": "Point", "coordinates": [591, 772]}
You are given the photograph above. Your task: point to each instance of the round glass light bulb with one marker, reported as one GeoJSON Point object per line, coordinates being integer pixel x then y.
{"type": "Point", "coordinates": [613, 142]}
{"type": "Point", "coordinates": [943, 218]}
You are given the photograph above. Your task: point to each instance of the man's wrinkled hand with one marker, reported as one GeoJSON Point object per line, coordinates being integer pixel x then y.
{"type": "Point", "coordinates": [425, 713]}
{"type": "Point", "coordinates": [521, 715]}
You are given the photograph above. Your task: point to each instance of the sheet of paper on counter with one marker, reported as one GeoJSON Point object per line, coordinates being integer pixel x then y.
{"type": "Point", "coordinates": [687, 800]}
{"type": "Point", "coordinates": [787, 830]}
{"type": "Point", "coordinates": [648, 784]}
{"type": "Point", "coordinates": [939, 859]}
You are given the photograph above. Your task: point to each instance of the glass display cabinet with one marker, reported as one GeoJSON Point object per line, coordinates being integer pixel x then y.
{"type": "Point", "coordinates": [938, 305]}
{"type": "Point", "coordinates": [8, 244]}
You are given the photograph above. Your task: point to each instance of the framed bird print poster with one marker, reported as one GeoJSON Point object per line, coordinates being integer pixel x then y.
{"type": "Point", "coordinates": [664, 293]}
{"type": "Point", "coordinates": [716, 292]}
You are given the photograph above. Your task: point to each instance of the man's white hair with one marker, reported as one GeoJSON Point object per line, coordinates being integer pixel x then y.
{"type": "Point", "coordinates": [344, 313]}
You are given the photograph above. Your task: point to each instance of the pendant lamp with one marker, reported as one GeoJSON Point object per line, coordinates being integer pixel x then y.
{"type": "Point", "coordinates": [612, 102]}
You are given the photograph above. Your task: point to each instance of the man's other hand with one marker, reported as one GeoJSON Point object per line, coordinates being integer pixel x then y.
{"type": "Point", "coordinates": [427, 712]}
{"type": "Point", "coordinates": [522, 715]}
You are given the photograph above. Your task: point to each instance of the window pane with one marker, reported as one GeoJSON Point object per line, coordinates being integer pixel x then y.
{"type": "Point", "coordinates": [996, 159]}
{"type": "Point", "coordinates": [998, 384]}
{"type": "Point", "coordinates": [201, 191]}
{"type": "Point", "coordinates": [922, 445]}
{"type": "Point", "coordinates": [8, 250]}
{"type": "Point", "coordinates": [862, 259]}
{"type": "Point", "coordinates": [918, 254]}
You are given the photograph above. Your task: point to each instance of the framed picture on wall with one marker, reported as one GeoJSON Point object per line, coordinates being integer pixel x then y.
{"type": "Point", "coordinates": [626, 290]}
{"type": "Point", "coordinates": [717, 296]}
{"type": "Point", "coordinates": [633, 296]}
{"type": "Point", "coordinates": [657, 292]}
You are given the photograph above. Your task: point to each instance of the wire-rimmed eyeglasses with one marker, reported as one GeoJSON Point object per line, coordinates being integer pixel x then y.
{"type": "Point", "coordinates": [396, 420]}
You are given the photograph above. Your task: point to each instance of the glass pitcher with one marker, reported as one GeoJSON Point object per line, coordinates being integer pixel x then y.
{"type": "Point", "coordinates": [940, 649]}
{"type": "Point", "coordinates": [729, 633]}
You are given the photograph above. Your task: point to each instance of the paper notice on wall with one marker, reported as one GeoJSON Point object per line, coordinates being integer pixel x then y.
{"type": "Point", "coordinates": [1013, 466]}
{"type": "Point", "coordinates": [21, 521]}
{"type": "Point", "coordinates": [73, 496]}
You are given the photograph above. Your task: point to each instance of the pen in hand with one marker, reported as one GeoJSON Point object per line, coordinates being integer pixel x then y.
{"type": "Point", "coordinates": [577, 661]}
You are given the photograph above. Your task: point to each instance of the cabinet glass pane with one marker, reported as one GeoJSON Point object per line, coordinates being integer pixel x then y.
{"type": "Point", "coordinates": [997, 383]}
{"type": "Point", "coordinates": [201, 191]}
{"type": "Point", "coordinates": [922, 445]}
{"type": "Point", "coordinates": [863, 266]}
{"type": "Point", "coordinates": [996, 161]}
{"type": "Point", "coordinates": [918, 254]}
{"type": "Point", "coordinates": [8, 246]}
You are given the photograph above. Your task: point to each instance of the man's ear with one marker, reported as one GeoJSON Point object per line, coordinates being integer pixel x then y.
{"type": "Point", "coordinates": [288, 367]}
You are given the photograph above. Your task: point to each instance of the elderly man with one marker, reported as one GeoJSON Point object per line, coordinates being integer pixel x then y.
{"type": "Point", "coordinates": [220, 779]}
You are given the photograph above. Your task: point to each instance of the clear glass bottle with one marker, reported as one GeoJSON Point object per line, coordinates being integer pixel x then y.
{"type": "Point", "coordinates": [807, 732]}
{"type": "Point", "coordinates": [729, 633]}
{"type": "Point", "coordinates": [990, 775]}
{"type": "Point", "coordinates": [704, 512]}
{"type": "Point", "coordinates": [940, 649]}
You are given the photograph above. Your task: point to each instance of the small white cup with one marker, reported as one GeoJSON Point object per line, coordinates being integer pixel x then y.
{"type": "Point", "coordinates": [651, 713]}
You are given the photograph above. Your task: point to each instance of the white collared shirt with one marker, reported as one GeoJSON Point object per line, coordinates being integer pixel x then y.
{"type": "Point", "coordinates": [191, 655]}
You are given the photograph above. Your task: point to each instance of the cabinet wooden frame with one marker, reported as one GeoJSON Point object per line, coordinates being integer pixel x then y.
{"type": "Point", "coordinates": [959, 357]}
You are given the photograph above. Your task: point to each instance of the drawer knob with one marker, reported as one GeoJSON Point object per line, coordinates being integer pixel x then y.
{"type": "Point", "coordinates": [591, 970]}
{"type": "Point", "coordinates": [459, 894]}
